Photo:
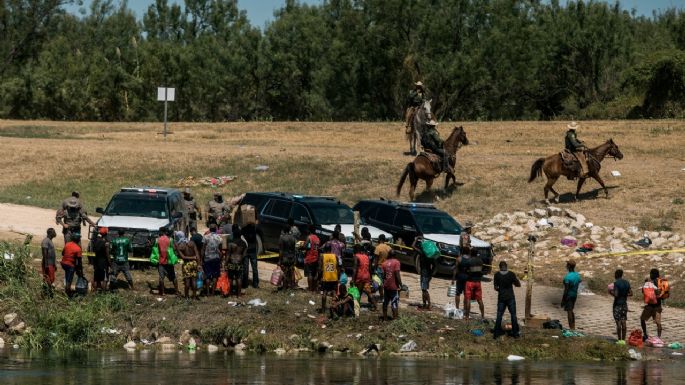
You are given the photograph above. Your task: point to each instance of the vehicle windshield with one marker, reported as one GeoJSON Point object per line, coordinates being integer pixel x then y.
{"type": "Point", "coordinates": [138, 206]}
{"type": "Point", "coordinates": [331, 213]}
{"type": "Point", "coordinates": [436, 223]}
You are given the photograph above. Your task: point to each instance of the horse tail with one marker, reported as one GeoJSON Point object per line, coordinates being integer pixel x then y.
{"type": "Point", "coordinates": [407, 171]}
{"type": "Point", "coordinates": [536, 170]}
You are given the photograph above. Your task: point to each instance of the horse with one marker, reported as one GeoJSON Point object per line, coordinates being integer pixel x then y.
{"type": "Point", "coordinates": [422, 168]}
{"type": "Point", "coordinates": [553, 167]}
{"type": "Point", "coordinates": [422, 115]}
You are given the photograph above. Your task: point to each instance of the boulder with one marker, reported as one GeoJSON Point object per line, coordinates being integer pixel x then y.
{"type": "Point", "coordinates": [18, 328]}
{"type": "Point", "coordinates": [499, 239]}
{"type": "Point", "coordinates": [163, 340]}
{"type": "Point", "coordinates": [618, 231]}
{"type": "Point", "coordinates": [280, 351]}
{"type": "Point", "coordinates": [674, 239]}
{"type": "Point", "coordinates": [9, 319]}
{"type": "Point", "coordinates": [633, 230]}
{"type": "Point", "coordinates": [539, 213]}
{"type": "Point", "coordinates": [212, 348]}
{"type": "Point", "coordinates": [554, 211]}
{"type": "Point", "coordinates": [130, 345]}
{"type": "Point", "coordinates": [240, 347]}
{"type": "Point", "coordinates": [659, 242]}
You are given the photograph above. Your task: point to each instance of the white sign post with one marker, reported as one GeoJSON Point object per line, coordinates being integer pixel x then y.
{"type": "Point", "coordinates": [165, 95]}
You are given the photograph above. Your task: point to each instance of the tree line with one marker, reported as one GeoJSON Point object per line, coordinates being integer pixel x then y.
{"type": "Point", "coordinates": [342, 60]}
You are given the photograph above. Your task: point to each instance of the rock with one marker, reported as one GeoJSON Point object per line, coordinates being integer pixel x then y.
{"type": "Point", "coordinates": [163, 340]}
{"type": "Point", "coordinates": [570, 213]}
{"type": "Point", "coordinates": [539, 213]}
{"type": "Point", "coordinates": [498, 239]}
{"type": "Point", "coordinates": [515, 229]}
{"type": "Point", "coordinates": [554, 211]}
{"type": "Point", "coordinates": [185, 337]}
{"type": "Point", "coordinates": [130, 345]}
{"type": "Point", "coordinates": [212, 348]}
{"type": "Point", "coordinates": [324, 346]}
{"type": "Point", "coordinates": [280, 351]}
{"type": "Point", "coordinates": [675, 238]}
{"type": "Point", "coordinates": [596, 230]}
{"type": "Point", "coordinates": [9, 318]}
{"type": "Point", "coordinates": [491, 231]}
{"type": "Point", "coordinates": [18, 328]}
{"type": "Point", "coordinates": [665, 234]}
{"type": "Point", "coordinates": [633, 230]}
{"type": "Point", "coordinates": [168, 347]}
{"type": "Point", "coordinates": [240, 347]}
{"type": "Point", "coordinates": [659, 242]}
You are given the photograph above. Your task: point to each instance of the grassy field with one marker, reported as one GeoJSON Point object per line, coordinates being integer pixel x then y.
{"type": "Point", "coordinates": [44, 161]}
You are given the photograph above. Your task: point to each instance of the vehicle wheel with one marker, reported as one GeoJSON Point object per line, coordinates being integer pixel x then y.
{"type": "Point", "coordinates": [260, 245]}
{"type": "Point", "coordinates": [417, 264]}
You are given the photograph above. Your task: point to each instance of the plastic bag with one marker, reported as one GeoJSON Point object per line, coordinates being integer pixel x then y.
{"type": "Point", "coordinates": [298, 275]}
{"type": "Point", "coordinates": [223, 284]}
{"type": "Point", "coordinates": [200, 280]}
{"type": "Point", "coordinates": [452, 312]}
{"type": "Point", "coordinates": [277, 276]}
{"type": "Point", "coordinates": [635, 338]}
{"type": "Point", "coordinates": [82, 286]}
{"type": "Point", "coordinates": [430, 249]}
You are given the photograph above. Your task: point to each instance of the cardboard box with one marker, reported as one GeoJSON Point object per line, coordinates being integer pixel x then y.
{"type": "Point", "coordinates": [536, 321]}
{"type": "Point", "coordinates": [247, 215]}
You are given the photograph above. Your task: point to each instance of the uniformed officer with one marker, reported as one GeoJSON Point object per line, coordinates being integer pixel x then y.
{"type": "Point", "coordinates": [71, 216]}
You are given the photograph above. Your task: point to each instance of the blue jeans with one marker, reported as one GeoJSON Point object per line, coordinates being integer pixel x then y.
{"type": "Point", "coordinates": [251, 259]}
{"type": "Point", "coordinates": [501, 307]}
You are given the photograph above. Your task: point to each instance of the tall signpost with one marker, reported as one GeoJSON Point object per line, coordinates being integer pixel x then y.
{"type": "Point", "coordinates": [165, 94]}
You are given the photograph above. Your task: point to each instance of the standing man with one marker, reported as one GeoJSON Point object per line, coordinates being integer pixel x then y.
{"type": "Point", "coordinates": [121, 249]}
{"type": "Point", "coordinates": [392, 282]}
{"type": "Point", "coordinates": [72, 261]}
{"type": "Point", "coordinates": [191, 258]}
{"type": "Point", "coordinates": [414, 100]}
{"type": "Point", "coordinates": [621, 291]}
{"type": "Point", "coordinates": [218, 211]}
{"type": "Point", "coordinates": [193, 209]}
{"type": "Point", "coordinates": [461, 267]}
{"type": "Point", "coordinates": [427, 268]}
{"type": "Point", "coordinates": [211, 258]}
{"type": "Point", "coordinates": [164, 255]}
{"type": "Point", "coordinates": [311, 259]}
{"type": "Point", "coordinates": [652, 310]}
{"type": "Point", "coordinates": [329, 278]}
{"type": "Point", "coordinates": [473, 288]}
{"type": "Point", "coordinates": [568, 300]}
{"type": "Point", "coordinates": [576, 147]}
{"type": "Point", "coordinates": [381, 251]}
{"type": "Point", "coordinates": [504, 285]}
{"type": "Point", "coordinates": [71, 216]}
{"type": "Point", "coordinates": [47, 249]}
{"type": "Point", "coordinates": [249, 232]}
{"type": "Point", "coordinates": [287, 250]}
{"type": "Point", "coordinates": [362, 273]}
{"type": "Point", "coordinates": [101, 260]}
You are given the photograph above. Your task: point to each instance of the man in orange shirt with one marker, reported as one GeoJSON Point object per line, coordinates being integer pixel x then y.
{"type": "Point", "coordinates": [72, 261]}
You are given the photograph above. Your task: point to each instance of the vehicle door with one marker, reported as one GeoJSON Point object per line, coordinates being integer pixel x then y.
{"type": "Point", "coordinates": [273, 219]}
{"type": "Point", "coordinates": [404, 232]}
{"type": "Point", "coordinates": [302, 218]}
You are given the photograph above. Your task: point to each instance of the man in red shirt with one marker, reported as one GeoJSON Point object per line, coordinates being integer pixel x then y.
{"type": "Point", "coordinates": [392, 282]}
{"type": "Point", "coordinates": [72, 261]}
{"type": "Point", "coordinates": [362, 275]}
{"type": "Point", "coordinates": [311, 259]}
{"type": "Point", "coordinates": [166, 261]}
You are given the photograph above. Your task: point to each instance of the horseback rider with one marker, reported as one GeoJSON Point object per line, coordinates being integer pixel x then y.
{"type": "Point", "coordinates": [431, 141]}
{"type": "Point", "coordinates": [577, 148]}
{"type": "Point", "coordinates": [416, 98]}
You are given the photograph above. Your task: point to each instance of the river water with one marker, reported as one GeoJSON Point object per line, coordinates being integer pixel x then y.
{"type": "Point", "coordinates": [147, 368]}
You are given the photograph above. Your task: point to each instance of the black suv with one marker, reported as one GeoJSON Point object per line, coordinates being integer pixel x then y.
{"type": "Point", "coordinates": [273, 210]}
{"type": "Point", "coordinates": [405, 221]}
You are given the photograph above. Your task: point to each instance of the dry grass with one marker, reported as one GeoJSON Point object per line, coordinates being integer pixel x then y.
{"type": "Point", "coordinates": [349, 160]}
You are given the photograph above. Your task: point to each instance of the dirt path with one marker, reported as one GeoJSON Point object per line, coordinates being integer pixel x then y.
{"type": "Point", "coordinates": [593, 312]}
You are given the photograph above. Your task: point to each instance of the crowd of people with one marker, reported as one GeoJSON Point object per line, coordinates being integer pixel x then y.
{"type": "Point", "coordinates": [220, 259]}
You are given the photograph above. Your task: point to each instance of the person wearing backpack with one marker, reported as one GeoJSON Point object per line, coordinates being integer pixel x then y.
{"type": "Point", "coordinates": [428, 252]}
{"type": "Point", "coordinates": [654, 291]}
{"type": "Point", "coordinates": [621, 291]}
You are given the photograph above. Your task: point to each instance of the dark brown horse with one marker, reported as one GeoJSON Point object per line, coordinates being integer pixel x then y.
{"type": "Point", "coordinates": [422, 168]}
{"type": "Point", "coordinates": [553, 167]}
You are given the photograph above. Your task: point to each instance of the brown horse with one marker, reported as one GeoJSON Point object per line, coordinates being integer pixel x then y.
{"type": "Point", "coordinates": [553, 167]}
{"type": "Point", "coordinates": [422, 168]}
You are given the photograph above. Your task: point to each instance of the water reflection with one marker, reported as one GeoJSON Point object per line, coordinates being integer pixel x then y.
{"type": "Point", "coordinates": [148, 367]}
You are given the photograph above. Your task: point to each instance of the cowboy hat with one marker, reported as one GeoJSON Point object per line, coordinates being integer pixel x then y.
{"type": "Point", "coordinates": [419, 84]}
{"type": "Point", "coordinates": [467, 225]}
{"type": "Point", "coordinates": [573, 126]}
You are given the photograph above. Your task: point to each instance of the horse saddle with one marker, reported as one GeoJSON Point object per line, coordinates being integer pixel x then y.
{"type": "Point", "coordinates": [570, 163]}
{"type": "Point", "coordinates": [435, 160]}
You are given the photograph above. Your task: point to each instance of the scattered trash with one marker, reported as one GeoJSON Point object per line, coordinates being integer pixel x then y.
{"type": "Point", "coordinates": [570, 242]}
{"type": "Point", "coordinates": [586, 248]}
{"type": "Point", "coordinates": [571, 333]}
{"type": "Point", "coordinates": [110, 331]}
{"type": "Point", "coordinates": [160, 299]}
{"type": "Point", "coordinates": [358, 336]}
{"type": "Point", "coordinates": [262, 331]}
{"type": "Point", "coordinates": [231, 303]}
{"type": "Point", "coordinates": [615, 173]}
{"type": "Point", "coordinates": [130, 345]}
{"type": "Point", "coordinates": [644, 242]}
{"type": "Point", "coordinates": [146, 342]}
{"type": "Point", "coordinates": [477, 333]}
{"type": "Point", "coordinates": [553, 324]}
{"type": "Point", "coordinates": [8, 256]}
{"type": "Point", "coordinates": [452, 312]}
{"type": "Point", "coordinates": [256, 302]}
{"type": "Point", "coordinates": [634, 354]}
{"type": "Point", "coordinates": [583, 290]}
{"type": "Point", "coordinates": [676, 354]}
{"type": "Point", "coordinates": [675, 345]}
{"type": "Point", "coordinates": [543, 222]}
{"type": "Point", "coordinates": [261, 167]}
{"type": "Point", "coordinates": [190, 181]}
{"type": "Point", "coordinates": [513, 357]}
{"type": "Point", "coordinates": [654, 342]}
{"type": "Point", "coordinates": [192, 345]}
{"type": "Point", "coordinates": [371, 348]}
{"type": "Point", "coordinates": [589, 225]}
{"type": "Point", "coordinates": [312, 302]}
{"type": "Point", "coordinates": [408, 347]}
{"type": "Point", "coordinates": [635, 338]}
{"type": "Point", "coordinates": [311, 316]}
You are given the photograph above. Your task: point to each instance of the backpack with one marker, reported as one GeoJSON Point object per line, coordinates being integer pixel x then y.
{"type": "Point", "coordinates": [635, 338]}
{"type": "Point", "coordinates": [649, 293]}
{"type": "Point", "coordinates": [664, 288]}
{"type": "Point", "coordinates": [430, 249]}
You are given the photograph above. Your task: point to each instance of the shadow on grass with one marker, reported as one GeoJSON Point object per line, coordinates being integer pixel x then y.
{"type": "Point", "coordinates": [592, 194]}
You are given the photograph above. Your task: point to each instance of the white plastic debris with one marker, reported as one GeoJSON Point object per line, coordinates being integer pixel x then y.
{"type": "Point", "coordinates": [452, 312]}
{"type": "Point", "coordinates": [615, 173]}
{"type": "Point", "coordinates": [408, 347]}
{"type": "Point", "coordinates": [676, 354]}
{"type": "Point", "coordinates": [589, 225]}
{"type": "Point", "coordinates": [543, 222]}
{"type": "Point", "coordinates": [256, 302]}
{"type": "Point", "coordinates": [634, 355]}
{"type": "Point", "coordinates": [262, 331]}
{"type": "Point", "coordinates": [513, 357]}
{"type": "Point", "coordinates": [261, 167]}
{"type": "Point", "coordinates": [8, 256]}
{"type": "Point", "coordinates": [312, 302]}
